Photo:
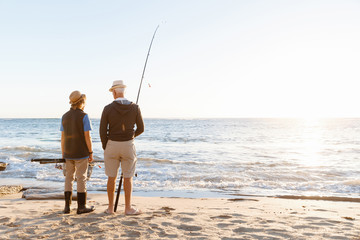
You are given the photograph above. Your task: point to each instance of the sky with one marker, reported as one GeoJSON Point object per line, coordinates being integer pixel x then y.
{"type": "Point", "coordinates": [209, 59]}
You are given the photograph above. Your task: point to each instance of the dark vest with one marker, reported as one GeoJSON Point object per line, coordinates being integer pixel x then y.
{"type": "Point", "coordinates": [75, 145]}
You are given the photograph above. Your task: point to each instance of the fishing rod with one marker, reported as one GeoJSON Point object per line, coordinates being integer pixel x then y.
{"type": "Point", "coordinates": [137, 100]}
{"type": "Point", "coordinates": [54, 160]}
{"type": "Point", "coordinates": [147, 57]}
{"type": "Point", "coordinates": [62, 160]}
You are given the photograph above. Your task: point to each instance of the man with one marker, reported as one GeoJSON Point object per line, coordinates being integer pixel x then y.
{"type": "Point", "coordinates": [76, 147]}
{"type": "Point", "coordinates": [117, 136]}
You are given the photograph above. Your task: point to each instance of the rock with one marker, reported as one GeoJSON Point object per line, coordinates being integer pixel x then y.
{"type": "Point", "coordinates": [9, 189]}
{"type": "Point", "coordinates": [44, 194]}
{"type": "Point", "coordinates": [3, 166]}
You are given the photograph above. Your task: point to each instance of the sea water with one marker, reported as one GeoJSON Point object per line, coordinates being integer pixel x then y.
{"type": "Point", "coordinates": [205, 157]}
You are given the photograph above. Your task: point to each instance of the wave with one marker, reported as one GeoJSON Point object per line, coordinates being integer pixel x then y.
{"type": "Point", "coordinates": [156, 160]}
{"type": "Point", "coordinates": [51, 140]}
{"type": "Point", "coordinates": [339, 199]}
{"type": "Point", "coordinates": [22, 149]}
{"type": "Point", "coordinates": [353, 183]}
{"type": "Point", "coordinates": [174, 139]}
{"type": "Point", "coordinates": [168, 161]}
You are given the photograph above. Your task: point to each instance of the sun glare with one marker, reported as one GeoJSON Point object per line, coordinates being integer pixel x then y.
{"type": "Point", "coordinates": [311, 141]}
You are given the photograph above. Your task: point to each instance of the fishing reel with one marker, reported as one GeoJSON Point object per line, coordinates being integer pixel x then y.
{"type": "Point", "coordinates": [63, 168]}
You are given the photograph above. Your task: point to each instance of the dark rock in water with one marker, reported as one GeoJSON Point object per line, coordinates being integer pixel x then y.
{"type": "Point", "coordinates": [10, 189]}
{"type": "Point", "coordinates": [3, 166]}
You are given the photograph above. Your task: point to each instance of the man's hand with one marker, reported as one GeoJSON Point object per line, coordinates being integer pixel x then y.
{"type": "Point", "coordinates": [89, 145]}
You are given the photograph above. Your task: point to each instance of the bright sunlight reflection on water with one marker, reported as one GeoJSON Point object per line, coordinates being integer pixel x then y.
{"type": "Point", "coordinates": [312, 142]}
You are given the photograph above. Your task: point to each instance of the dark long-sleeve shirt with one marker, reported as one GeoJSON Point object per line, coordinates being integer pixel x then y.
{"type": "Point", "coordinates": [118, 121]}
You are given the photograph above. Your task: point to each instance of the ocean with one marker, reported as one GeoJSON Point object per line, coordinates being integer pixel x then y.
{"type": "Point", "coordinates": [205, 157]}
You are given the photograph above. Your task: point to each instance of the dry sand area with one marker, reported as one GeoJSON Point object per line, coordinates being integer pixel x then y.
{"type": "Point", "coordinates": [182, 218]}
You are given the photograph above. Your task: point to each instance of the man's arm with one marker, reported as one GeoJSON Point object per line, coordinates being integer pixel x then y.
{"type": "Point", "coordinates": [62, 143]}
{"type": "Point", "coordinates": [89, 144]}
{"type": "Point", "coordinates": [139, 124]}
{"type": "Point", "coordinates": [103, 129]}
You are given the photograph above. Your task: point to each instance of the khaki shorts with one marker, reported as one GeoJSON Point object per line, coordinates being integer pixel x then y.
{"type": "Point", "coordinates": [81, 168]}
{"type": "Point", "coordinates": [116, 152]}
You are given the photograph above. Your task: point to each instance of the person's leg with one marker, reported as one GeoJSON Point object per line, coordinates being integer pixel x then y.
{"type": "Point", "coordinates": [81, 175]}
{"type": "Point", "coordinates": [129, 210]}
{"type": "Point", "coordinates": [128, 165]}
{"type": "Point", "coordinates": [69, 180]}
{"type": "Point", "coordinates": [128, 193]}
{"type": "Point", "coordinates": [112, 164]}
{"type": "Point", "coordinates": [110, 193]}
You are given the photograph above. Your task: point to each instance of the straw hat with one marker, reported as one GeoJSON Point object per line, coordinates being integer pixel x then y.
{"type": "Point", "coordinates": [117, 84]}
{"type": "Point", "coordinates": [76, 97]}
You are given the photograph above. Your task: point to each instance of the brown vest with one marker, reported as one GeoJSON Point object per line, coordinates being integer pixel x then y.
{"type": "Point", "coordinates": [75, 145]}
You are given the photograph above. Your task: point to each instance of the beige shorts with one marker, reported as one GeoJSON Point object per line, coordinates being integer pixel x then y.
{"type": "Point", "coordinates": [116, 152]}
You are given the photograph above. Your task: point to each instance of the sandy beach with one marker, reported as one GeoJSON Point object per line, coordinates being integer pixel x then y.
{"type": "Point", "coordinates": [182, 218]}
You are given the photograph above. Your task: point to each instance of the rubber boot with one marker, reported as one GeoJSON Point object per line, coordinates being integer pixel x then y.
{"type": "Point", "coordinates": [81, 199]}
{"type": "Point", "coordinates": [68, 198]}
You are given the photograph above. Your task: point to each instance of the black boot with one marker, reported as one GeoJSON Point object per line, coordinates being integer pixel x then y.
{"type": "Point", "coordinates": [68, 198]}
{"type": "Point", "coordinates": [81, 199]}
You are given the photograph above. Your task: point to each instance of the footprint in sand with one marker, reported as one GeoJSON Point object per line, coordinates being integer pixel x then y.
{"type": "Point", "coordinates": [222, 217]}
{"type": "Point", "coordinates": [55, 225]}
{"type": "Point", "coordinates": [154, 226]}
{"type": "Point", "coordinates": [308, 234]}
{"type": "Point", "coordinates": [167, 209]}
{"type": "Point", "coordinates": [187, 213]}
{"type": "Point", "coordinates": [93, 229]}
{"type": "Point", "coordinates": [280, 233]}
{"type": "Point", "coordinates": [5, 220]}
{"type": "Point", "coordinates": [89, 220]}
{"type": "Point", "coordinates": [11, 224]}
{"type": "Point", "coordinates": [224, 225]}
{"type": "Point", "coordinates": [31, 230]}
{"type": "Point", "coordinates": [132, 234]}
{"type": "Point", "coordinates": [270, 221]}
{"type": "Point", "coordinates": [186, 219]}
{"type": "Point", "coordinates": [313, 218]}
{"type": "Point", "coordinates": [323, 223]}
{"type": "Point", "coordinates": [166, 235]}
{"type": "Point", "coordinates": [238, 221]}
{"type": "Point", "coordinates": [333, 221]}
{"type": "Point", "coordinates": [149, 218]}
{"type": "Point", "coordinates": [305, 227]}
{"type": "Point", "coordinates": [237, 215]}
{"type": "Point", "coordinates": [166, 224]}
{"type": "Point", "coordinates": [130, 223]}
{"type": "Point", "coordinates": [66, 221]}
{"type": "Point", "coordinates": [244, 229]}
{"type": "Point", "coordinates": [189, 227]}
{"type": "Point", "coordinates": [324, 210]}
